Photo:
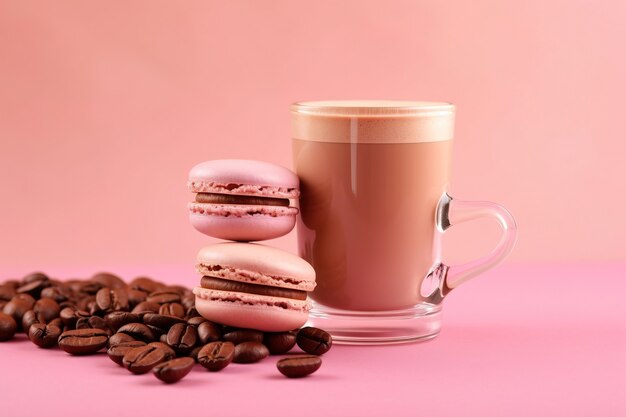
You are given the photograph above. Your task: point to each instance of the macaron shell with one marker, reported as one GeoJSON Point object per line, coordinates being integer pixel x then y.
{"type": "Point", "coordinates": [251, 311]}
{"type": "Point", "coordinates": [242, 227]}
{"type": "Point", "coordinates": [252, 175]}
{"type": "Point", "coordinates": [262, 264]}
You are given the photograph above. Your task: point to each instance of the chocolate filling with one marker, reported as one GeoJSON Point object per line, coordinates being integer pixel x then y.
{"type": "Point", "coordinates": [214, 198]}
{"type": "Point", "coordinates": [219, 284]}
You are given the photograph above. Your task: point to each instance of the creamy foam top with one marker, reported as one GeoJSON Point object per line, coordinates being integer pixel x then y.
{"type": "Point", "coordinates": [372, 121]}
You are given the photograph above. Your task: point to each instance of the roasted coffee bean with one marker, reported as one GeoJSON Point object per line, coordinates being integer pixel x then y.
{"type": "Point", "coordinates": [83, 341]}
{"type": "Point", "coordinates": [117, 319]}
{"type": "Point", "coordinates": [90, 288]}
{"type": "Point", "coordinates": [208, 331]}
{"type": "Point", "coordinates": [299, 366]}
{"type": "Point", "coordinates": [106, 279]}
{"type": "Point", "coordinates": [139, 331]}
{"type": "Point", "coordinates": [48, 308]}
{"type": "Point", "coordinates": [112, 299]}
{"type": "Point", "coordinates": [314, 341]}
{"type": "Point", "coordinates": [161, 321]}
{"type": "Point", "coordinates": [70, 316]}
{"type": "Point", "coordinates": [56, 322]}
{"type": "Point", "coordinates": [93, 322]}
{"type": "Point", "coordinates": [85, 303]}
{"type": "Point", "coordinates": [6, 292]}
{"type": "Point", "coordinates": [164, 296]}
{"type": "Point", "coordinates": [188, 301]}
{"type": "Point", "coordinates": [141, 359]}
{"type": "Point", "coordinates": [216, 356]}
{"type": "Point", "coordinates": [119, 338]}
{"type": "Point", "coordinates": [145, 284]}
{"type": "Point", "coordinates": [163, 338]}
{"type": "Point", "coordinates": [182, 337]}
{"type": "Point", "coordinates": [146, 307]}
{"type": "Point", "coordinates": [44, 335]}
{"type": "Point", "coordinates": [8, 327]}
{"type": "Point", "coordinates": [243, 335]}
{"type": "Point", "coordinates": [29, 318]}
{"type": "Point", "coordinates": [250, 352]}
{"type": "Point", "coordinates": [58, 293]}
{"type": "Point", "coordinates": [135, 297]}
{"type": "Point", "coordinates": [279, 343]}
{"type": "Point", "coordinates": [172, 309]}
{"type": "Point", "coordinates": [194, 353]}
{"type": "Point", "coordinates": [33, 284]}
{"type": "Point", "coordinates": [116, 352]}
{"type": "Point", "coordinates": [18, 306]}
{"type": "Point", "coordinates": [173, 370]}
{"type": "Point", "coordinates": [191, 313]}
{"type": "Point", "coordinates": [196, 320]}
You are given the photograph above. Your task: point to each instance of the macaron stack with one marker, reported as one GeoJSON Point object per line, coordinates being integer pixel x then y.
{"type": "Point", "coordinates": [244, 284]}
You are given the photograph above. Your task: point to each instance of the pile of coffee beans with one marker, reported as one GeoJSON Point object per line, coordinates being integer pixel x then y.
{"type": "Point", "coordinates": [145, 326]}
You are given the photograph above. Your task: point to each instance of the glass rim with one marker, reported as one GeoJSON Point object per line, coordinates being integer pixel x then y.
{"type": "Point", "coordinates": [364, 108]}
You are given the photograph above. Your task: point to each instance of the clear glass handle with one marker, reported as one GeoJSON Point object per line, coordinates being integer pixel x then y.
{"type": "Point", "coordinates": [451, 211]}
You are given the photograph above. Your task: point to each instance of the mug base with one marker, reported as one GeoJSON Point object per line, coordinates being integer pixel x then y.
{"type": "Point", "coordinates": [418, 323]}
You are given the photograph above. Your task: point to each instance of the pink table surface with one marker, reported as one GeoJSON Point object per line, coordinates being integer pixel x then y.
{"type": "Point", "coordinates": [522, 340]}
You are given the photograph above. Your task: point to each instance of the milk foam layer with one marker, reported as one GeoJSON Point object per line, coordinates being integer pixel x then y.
{"type": "Point", "coordinates": [372, 121]}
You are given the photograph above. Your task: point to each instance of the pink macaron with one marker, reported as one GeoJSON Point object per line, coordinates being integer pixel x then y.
{"type": "Point", "coordinates": [242, 200]}
{"type": "Point", "coordinates": [253, 286]}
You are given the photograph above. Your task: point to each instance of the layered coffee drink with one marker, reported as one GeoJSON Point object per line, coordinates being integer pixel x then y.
{"type": "Point", "coordinates": [372, 174]}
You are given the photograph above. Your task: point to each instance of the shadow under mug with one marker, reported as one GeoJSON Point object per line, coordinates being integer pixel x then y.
{"type": "Point", "coordinates": [373, 209]}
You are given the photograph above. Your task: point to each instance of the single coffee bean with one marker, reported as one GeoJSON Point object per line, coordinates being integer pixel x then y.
{"type": "Point", "coordinates": [48, 307]}
{"type": "Point", "coordinates": [106, 279]}
{"type": "Point", "coordinates": [117, 319]}
{"type": "Point", "coordinates": [86, 303]}
{"type": "Point", "coordinates": [182, 337]}
{"type": "Point", "coordinates": [83, 341]}
{"type": "Point", "coordinates": [243, 335]}
{"type": "Point", "coordinates": [70, 316]}
{"type": "Point", "coordinates": [8, 327]}
{"type": "Point", "coordinates": [116, 352]}
{"type": "Point", "coordinates": [208, 332]}
{"type": "Point", "coordinates": [196, 320]}
{"type": "Point", "coordinates": [139, 331]}
{"type": "Point", "coordinates": [314, 341]}
{"type": "Point", "coordinates": [44, 335]}
{"type": "Point", "coordinates": [279, 343]}
{"type": "Point", "coordinates": [161, 321]}
{"type": "Point", "coordinates": [18, 306]}
{"type": "Point", "coordinates": [112, 299]}
{"type": "Point", "coordinates": [29, 318]}
{"type": "Point", "coordinates": [145, 284]}
{"type": "Point", "coordinates": [250, 352]}
{"type": "Point", "coordinates": [135, 297]}
{"type": "Point", "coordinates": [173, 370]}
{"type": "Point", "coordinates": [58, 293]}
{"type": "Point", "coordinates": [33, 284]}
{"type": "Point", "coordinates": [164, 296]}
{"type": "Point", "coordinates": [172, 309]}
{"type": "Point", "coordinates": [140, 360]}
{"type": "Point", "coordinates": [93, 322]}
{"type": "Point", "coordinates": [215, 356]}
{"type": "Point", "coordinates": [90, 288]}
{"type": "Point", "coordinates": [118, 338]}
{"type": "Point", "coordinates": [146, 307]}
{"type": "Point", "coordinates": [299, 366]}
{"type": "Point", "coordinates": [6, 292]}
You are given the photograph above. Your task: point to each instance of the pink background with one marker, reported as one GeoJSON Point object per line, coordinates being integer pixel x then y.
{"type": "Point", "coordinates": [105, 106]}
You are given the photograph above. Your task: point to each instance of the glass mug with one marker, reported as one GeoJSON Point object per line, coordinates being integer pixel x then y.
{"type": "Point", "coordinates": [373, 210]}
